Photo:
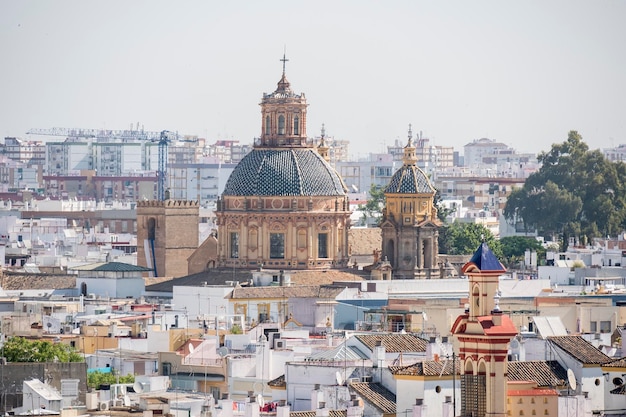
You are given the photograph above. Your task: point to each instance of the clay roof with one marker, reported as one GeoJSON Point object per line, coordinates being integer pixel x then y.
{"type": "Point", "coordinates": [545, 373]}
{"type": "Point", "coordinates": [29, 281]}
{"type": "Point", "coordinates": [377, 395]}
{"type": "Point", "coordinates": [279, 382]}
{"type": "Point", "coordinates": [580, 349]}
{"type": "Point", "coordinates": [210, 277]}
{"type": "Point", "coordinates": [506, 328]}
{"type": "Point", "coordinates": [297, 291]}
{"type": "Point", "coordinates": [428, 368]}
{"type": "Point", "coordinates": [324, 277]}
{"type": "Point", "coordinates": [394, 342]}
{"type": "Point", "coordinates": [618, 363]}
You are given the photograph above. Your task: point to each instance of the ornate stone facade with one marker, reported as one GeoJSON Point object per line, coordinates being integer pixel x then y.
{"type": "Point", "coordinates": [410, 228]}
{"type": "Point", "coordinates": [284, 206]}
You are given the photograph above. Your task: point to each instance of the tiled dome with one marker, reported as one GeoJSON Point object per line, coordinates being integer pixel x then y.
{"type": "Point", "coordinates": [410, 179]}
{"type": "Point", "coordinates": [284, 172]}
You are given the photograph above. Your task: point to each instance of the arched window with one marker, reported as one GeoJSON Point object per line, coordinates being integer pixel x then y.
{"type": "Point", "coordinates": [268, 125]}
{"type": "Point", "coordinates": [281, 125]}
{"type": "Point", "coordinates": [296, 125]}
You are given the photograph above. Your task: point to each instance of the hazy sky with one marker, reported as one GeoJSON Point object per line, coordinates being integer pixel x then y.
{"type": "Point", "coordinates": [521, 72]}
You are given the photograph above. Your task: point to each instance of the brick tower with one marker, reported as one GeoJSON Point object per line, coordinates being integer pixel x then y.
{"type": "Point", "coordinates": [483, 333]}
{"type": "Point", "coordinates": [167, 234]}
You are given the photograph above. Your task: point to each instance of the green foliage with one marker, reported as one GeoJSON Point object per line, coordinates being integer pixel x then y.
{"type": "Point", "coordinates": [464, 238]}
{"type": "Point", "coordinates": [442, 211]}
{"type": "Point", "coordinates": [97, 378]}
{"type": "Point", "coordinates": [576, 192]}
{"type": "Point", "coordinates": [514, 248]}
{"type": "Point", "coordinates": [18, 349]}
{"type": "Point", "coordinates": [236, 329]}
{"type": "Point", "coordinates": [375, 204]}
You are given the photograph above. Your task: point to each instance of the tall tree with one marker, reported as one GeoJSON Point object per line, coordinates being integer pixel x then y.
{"type": "Point", "coordinates": [576, 192]}
{"type": "Point", "coordinates": [464, 238]}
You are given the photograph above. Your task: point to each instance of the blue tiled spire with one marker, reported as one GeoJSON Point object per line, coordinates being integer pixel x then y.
{"type": "Point", "coordinates": [485, 260]}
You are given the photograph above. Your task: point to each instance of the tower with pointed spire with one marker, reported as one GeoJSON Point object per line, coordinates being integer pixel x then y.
{"type": "Point", "coordinates": [284, 206]}
{"type": "Point", "coordinates": [410, 227]}
{"type": "Point", "coordinates": [283, 116]}
{"type": "Point", "coordinates": [483, 334]}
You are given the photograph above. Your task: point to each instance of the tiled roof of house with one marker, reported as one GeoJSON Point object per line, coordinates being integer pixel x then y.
{"type": "Point", "coordinates": [284, 172]}
{"type": "Point", "coordinates": [618, 363]}
{"type": "Point", "coordinates": [394, 342]}
{"type": "Point", "coordinates": [111, 267]}
{"type": "Point", "coordinates": [296, 291]}
{"type": "Point", "coordinates": [429, 368]}
{"type": "Point", "coordinates": [545, 373]}
{"type": "Point", "coordinates": [279, 382]}
{"type": "Point", "coordinates": [376, 395]}
{"type": "Point", "coordinates": [325, 277]}
{"type": "Point", "coordinates": [210, 277]}
{"type": "Point", "coordinates": [580, 349]}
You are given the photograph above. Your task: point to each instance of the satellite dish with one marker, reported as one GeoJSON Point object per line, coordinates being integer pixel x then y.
{"type": "Point", "coordinates": [191, 348]}
{"type": "Point", "coordinates": [223, 351]}
{"type": "Point", "coordinates": [339, 378]}
{"type": "Point", "coordinates": [260, 400]}
{"type": "Point", "coordinates": [138, 387]}
{"type": "Point", "coordinates": [571, 379]}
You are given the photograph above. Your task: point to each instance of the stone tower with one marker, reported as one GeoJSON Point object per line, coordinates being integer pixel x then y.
{"type": "Point", "coordinates": [483, 333]}
{"type": "Point", "coordinates": [410, 227]}
{"type": "Point", "coordinates": [167, 234]}
{"type": "Point", "coordinates": [283, 206]}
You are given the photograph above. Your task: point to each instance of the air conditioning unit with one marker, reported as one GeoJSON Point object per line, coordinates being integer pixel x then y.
{"type": "Point", "coordinates": [280, 344]}
{"type": "Point", "coordinates": [103, 406]}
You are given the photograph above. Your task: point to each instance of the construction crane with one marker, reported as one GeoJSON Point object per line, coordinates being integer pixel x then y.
{"type": "Point", "coordinates": [164, 142]}
{"type": "Point", "coordinates": [97, 133]}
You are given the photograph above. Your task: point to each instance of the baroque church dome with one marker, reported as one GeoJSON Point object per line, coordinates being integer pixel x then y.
{"type": "Point", "coordinates": [284, 172]}
{"type": "Point", "coordinates": [409, 179]}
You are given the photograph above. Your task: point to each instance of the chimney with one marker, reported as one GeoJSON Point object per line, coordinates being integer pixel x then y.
{"type": "Point", "coordinates": [379, 355]}
{"type": "Point", "coordinates": [496, 317]}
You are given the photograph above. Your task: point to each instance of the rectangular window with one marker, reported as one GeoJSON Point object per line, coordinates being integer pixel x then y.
{"type": "Point", "coordinates": [277, 246]}
{"type": "Point", "coordinates": [605, 326]}
{"type": "Point", "coordinates": [322, 245]}
{"type": "Point", "coordinates": [234, 245]}
{"type": "Point", "coordinates": [593, 326]}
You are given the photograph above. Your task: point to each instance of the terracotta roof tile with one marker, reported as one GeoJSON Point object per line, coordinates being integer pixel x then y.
{"type": "Point", "coordinates": [580, 349]}
{"type": "Point", "coordinates": [428, 368]}
{"type": "Point", "coordinates": [377, 395]}
{"type": "Point", "coordinates": [279, 382]}
{"type": "Point", "coordinates": [618, 363]}
{"type": "Point", "coordinates": [394, 342]}
{"type": "Point", "coordinates": [545, 373]}
{"type": "Point", "coordinates": [295, 291]}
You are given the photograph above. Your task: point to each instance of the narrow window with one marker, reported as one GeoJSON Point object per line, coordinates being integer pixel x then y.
{"type": "Point", "coordinates": [296, 125]}
{"type": "Point", "coordinates": [234, 245]}
{"type": "Point", "coordinates": [322, 245]}
{"type": "Point", "coordinates": [277, 246]}
{"type": "Point", "coordinates": [281, 125]}
{"type": "Point", "coordinates": [268, 125]}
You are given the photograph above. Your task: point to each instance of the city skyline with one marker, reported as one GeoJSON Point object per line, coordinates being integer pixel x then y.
{"type": "Point", "coordinates": [523, 74]}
